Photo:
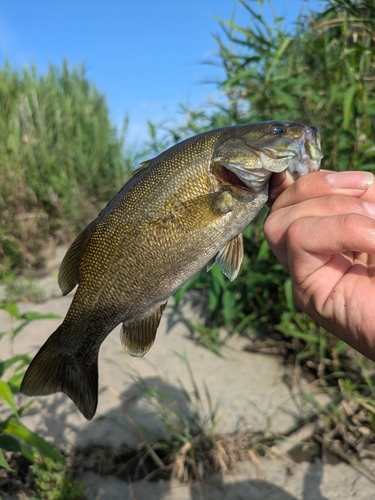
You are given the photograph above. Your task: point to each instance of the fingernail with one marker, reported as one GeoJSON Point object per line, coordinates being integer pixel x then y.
{"type": "Point", "coordinates": [369, 207]}
{"type": "Point", "coordinates": [350, 180]}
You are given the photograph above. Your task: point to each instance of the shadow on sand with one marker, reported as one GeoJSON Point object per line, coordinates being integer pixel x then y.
{"type": "Point", "coordinates": [110, 471]}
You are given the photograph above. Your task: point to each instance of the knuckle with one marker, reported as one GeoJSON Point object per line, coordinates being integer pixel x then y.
{"type": "Point", "coordinates": [299, 188]}
{"type": "Point", "coordinates": [349, 223]}
{"type": "Point", "coordinates": [295, 232]}
{"type": "Point", "coordinates": [338, 203]}
{"type": "Point", "coordinates": [300, 297]}
{"type": "Point", "coordinates": [271, 228]}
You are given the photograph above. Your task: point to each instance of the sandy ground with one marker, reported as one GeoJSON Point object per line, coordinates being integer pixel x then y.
{"type": "Point", "coordinates": [250, 389]}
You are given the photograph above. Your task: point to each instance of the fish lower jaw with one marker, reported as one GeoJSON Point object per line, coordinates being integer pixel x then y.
{"type": "Point", "coordinates": [312, 165]}
{"type": "Point", "coordinates": [248, 179]}
{"type": "Point", "coordinates": [302, 165]}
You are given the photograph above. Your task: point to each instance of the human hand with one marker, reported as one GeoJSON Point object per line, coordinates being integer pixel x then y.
{"type": "Point", "coordinates": [322, 229]}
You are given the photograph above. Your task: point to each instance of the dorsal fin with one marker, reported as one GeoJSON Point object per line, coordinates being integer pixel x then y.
{"type": "Point", "coordinates": [143, 166]}
{"type": "Point", "coordinates": [138, 336]}
{"type": "Point", "coordinates": [69, 269]}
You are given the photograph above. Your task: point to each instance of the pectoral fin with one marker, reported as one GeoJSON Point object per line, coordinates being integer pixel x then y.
{"type": "Point", "coordinates": [138, 336]}
{"type": "Point", "coordinates": [229, 259]}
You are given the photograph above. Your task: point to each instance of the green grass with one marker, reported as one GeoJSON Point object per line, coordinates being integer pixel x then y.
{"type": "Point", "coordinates": [54, 481]}
{"type": "Point", "coordinates": [61, 160]}
{"type": "Point", "coordinates": [14, 435]}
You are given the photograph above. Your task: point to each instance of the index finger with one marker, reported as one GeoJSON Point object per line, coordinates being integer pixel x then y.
{"type": "Point", "coordinates": [278, 183]}
{"type": "Point", "coordinates": [322, 183]}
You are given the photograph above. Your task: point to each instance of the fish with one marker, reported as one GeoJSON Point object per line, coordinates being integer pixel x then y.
{"type": "Point", "coordinates": [181, 211]}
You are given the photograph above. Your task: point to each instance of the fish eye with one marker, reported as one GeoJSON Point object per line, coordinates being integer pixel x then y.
{"type": "Point", "coordinates": [277, 128]}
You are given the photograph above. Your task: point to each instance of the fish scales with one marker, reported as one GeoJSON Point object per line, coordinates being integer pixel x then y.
{"type": "Point", "coordinates": [180, 212]}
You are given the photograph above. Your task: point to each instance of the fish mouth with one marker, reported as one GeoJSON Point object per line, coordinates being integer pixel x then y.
{"type": "Point", "coordinates": [310, 155]}
{"type": "Point", "coordinates": [242, 177]}
{"type": "Point", "coordinates": [239, 178]}
{"type": "Point", "coordinates": [228, 176]}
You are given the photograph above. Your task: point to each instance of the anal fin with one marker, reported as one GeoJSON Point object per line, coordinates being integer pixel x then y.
{"type": "Point", "coordinates": [229, 259]}
{"type": "Point", "coordinates": [138, 336]}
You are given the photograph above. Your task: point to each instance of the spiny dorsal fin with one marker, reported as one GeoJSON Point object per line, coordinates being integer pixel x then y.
{"type": "Point", "coordinates": [229, 259]}
{"type": "Point", "coordinates": [69, 269]}
{"type": "Point", "coordinates": [138, 336]}
{"type": "Point", "coordinates": [143, 166]}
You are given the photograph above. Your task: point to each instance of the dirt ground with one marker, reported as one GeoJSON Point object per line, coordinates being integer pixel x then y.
{"type": "Point", "coordinates": [255, 393]}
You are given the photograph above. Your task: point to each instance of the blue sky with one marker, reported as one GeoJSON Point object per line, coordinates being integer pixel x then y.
{"type": "Point", "coordinates": [145, 56]}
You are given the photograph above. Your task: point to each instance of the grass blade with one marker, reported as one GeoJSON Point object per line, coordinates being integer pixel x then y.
{"type": "Point", "coordinates": [3, 462]}
{"type": "Point", "coordinates": [7, 395]}
{"type": "Point", "coordinates": [44, 448]}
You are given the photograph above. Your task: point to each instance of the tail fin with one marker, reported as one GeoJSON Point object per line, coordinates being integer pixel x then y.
{"type": "Point", "coordinates": [56, 369]}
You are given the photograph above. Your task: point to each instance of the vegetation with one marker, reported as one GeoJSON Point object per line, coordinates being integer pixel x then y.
{"type": "Point", "coordinates": [53, 480]}
{"type": "Point", "coordinates": [61, 160]}
{"type": "Point", "coordinates": [193, 449]}
{"type": "Point", "coordinates": [321, 73]}
{"type": "Point", "coordinates": [13, 434]}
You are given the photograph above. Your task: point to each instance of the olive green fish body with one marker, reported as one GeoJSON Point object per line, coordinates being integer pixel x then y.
{"type": "Point", "coordinates": [179, 212]}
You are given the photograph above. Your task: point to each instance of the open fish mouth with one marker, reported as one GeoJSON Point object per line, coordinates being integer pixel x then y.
{"type": "Point", "coordinates": [232, 176]}
{"type": "Point", "coordinates": [238, 176]}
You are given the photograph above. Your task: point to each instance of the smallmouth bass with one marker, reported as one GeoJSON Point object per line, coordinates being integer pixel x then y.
{"type": "Point", "coordinates": [181, 211]}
